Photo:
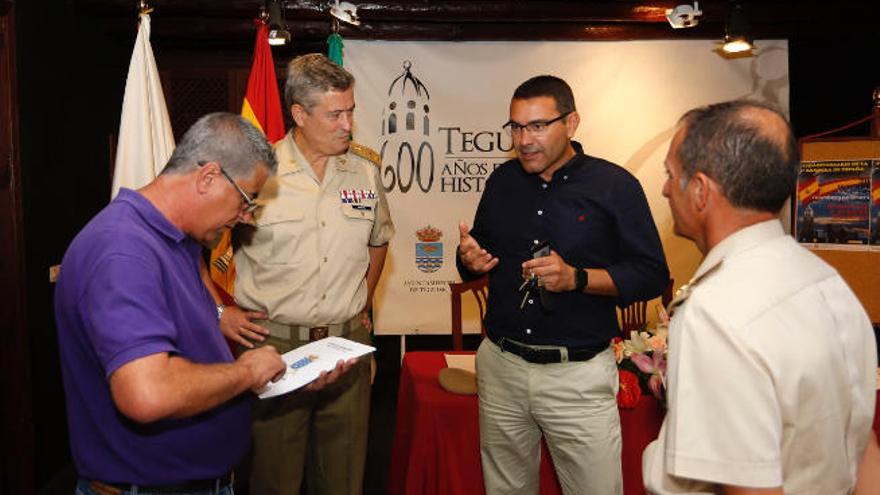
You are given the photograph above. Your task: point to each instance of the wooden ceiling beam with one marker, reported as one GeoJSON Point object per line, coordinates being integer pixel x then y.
{"type": "Point", "coordinates": [211, 24]}
{"type": "Point", "coordinates": [492, 10]}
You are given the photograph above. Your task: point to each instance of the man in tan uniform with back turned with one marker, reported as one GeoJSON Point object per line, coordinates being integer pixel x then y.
{"type": "Point", "coordinates": [311, 266]}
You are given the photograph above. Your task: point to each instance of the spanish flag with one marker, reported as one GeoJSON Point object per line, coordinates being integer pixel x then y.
{"type": "Point", "coordinates": [808, 189]}
{"type": "Point", "coordinates": [261, 107]}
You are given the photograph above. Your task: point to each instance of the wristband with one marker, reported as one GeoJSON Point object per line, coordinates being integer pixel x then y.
{"type": "Point", "coordinates": [580, 279]}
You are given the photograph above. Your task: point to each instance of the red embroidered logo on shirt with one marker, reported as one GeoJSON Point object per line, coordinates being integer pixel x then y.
{"type": "Point", "coordinates": [581, 218]}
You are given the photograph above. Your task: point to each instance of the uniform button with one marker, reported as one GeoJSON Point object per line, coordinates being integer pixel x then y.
{"type": "Point", "coordinates": [564, 177]}
{"type": "Point", "coordinates": [543, 186]}
{"type": "Point", "coordinates": [540, 212]}
{"type": "Point", "coordinates": [323, 224]}
{"type": "Point", "coordinates": [531, 301]}
{"type": "Point", "coordinates": [535, 242]}
{"type": "Point", "coordinates": [528, 331]}
{"type": "Point", "coordinates": [325, 259]}
{"type": "Point", "coordinates": [324, 296]}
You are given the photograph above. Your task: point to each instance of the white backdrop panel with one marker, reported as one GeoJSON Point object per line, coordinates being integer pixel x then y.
{"type": "Point", "coordinates": [435, 110]}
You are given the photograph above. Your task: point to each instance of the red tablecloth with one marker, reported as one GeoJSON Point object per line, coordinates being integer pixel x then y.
{"type": "Point", "coordinates": [436, 447]}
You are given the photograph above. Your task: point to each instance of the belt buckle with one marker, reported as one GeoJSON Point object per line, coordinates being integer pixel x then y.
{"type": "Point", "coordinates": [102, 487]}
{"type": "Point", "coordinates": [318, 333]}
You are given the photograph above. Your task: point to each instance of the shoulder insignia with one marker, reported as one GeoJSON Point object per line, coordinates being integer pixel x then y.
{"type": "Point", "coordinates": [366, 152]}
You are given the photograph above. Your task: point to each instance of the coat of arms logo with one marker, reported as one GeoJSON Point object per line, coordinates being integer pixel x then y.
{"type": "Point", "coordinates": [429, 249]}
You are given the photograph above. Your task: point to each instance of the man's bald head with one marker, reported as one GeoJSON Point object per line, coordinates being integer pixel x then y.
{"type": "Point", "coordinates": [746, 147]}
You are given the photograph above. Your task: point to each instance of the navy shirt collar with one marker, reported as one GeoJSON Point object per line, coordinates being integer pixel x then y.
{"type": "Point", "coordinates": [568, 167]}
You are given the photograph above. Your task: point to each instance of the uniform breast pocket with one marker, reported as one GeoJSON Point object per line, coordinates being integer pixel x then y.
{"type": "Point", "coordinates": [358, 220]}
{"type": "Point", "coordinates": [278, 234]}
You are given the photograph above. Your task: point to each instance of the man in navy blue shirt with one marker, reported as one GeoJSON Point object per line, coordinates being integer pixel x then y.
{"type": "Point", "coordinates": [546, 367]}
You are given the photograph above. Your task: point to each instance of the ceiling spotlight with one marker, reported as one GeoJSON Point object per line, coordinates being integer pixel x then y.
{"type": "Point", "coordinates": [684, 16]}
{"type": "Point", "coordinates": [736, 36]}
{"type": "Point", "coordinates": [278, 33]}
{"type": "Point", "coordinates": [345, 12]}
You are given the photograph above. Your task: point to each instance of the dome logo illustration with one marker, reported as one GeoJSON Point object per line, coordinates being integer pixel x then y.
{"type": "Point", "coordinates": [407, 154]}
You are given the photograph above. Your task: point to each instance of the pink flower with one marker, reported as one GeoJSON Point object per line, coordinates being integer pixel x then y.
{"type": "Point", "coordinates": [655, 365]}
{"type": "Point", "coordinates": [662, 316]}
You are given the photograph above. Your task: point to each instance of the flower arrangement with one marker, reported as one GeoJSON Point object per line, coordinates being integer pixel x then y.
{"type": "Point", "coordinates": [641, 361]}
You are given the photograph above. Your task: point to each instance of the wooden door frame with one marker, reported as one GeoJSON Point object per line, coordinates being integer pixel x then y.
{"type": "Point", "coordinates": [16, 427]}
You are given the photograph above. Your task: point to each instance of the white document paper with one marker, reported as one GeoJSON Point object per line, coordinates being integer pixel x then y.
{"type": "Point", "coordinates": [467, 362]}
{"type": "Point", "coordinates": [305, 363]}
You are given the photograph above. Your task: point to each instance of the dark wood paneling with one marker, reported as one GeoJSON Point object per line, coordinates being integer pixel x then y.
{"type": "Point", "coordinates": [70, 104]}
{"type": "Point", "coordinates": [16, 427]}
{"type": "Point", "coordinates": [211, 25]}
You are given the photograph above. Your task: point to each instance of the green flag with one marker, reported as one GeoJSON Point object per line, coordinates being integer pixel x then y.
{"type": "Point", "coordinates": [334, 48]}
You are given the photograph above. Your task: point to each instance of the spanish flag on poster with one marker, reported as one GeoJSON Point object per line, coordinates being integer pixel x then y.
{"type": "Point", "coordinates": [808, 188]}
{"type": "Point", "coordinates": [261, 107]}
{"type": "Point", "coordinates": [145, 140]}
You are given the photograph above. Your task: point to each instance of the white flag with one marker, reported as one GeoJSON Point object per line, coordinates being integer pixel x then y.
{"type": "Point", "coordinates": [145, 138]}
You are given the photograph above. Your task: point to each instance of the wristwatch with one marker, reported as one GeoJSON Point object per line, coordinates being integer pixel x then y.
{"type": "Point", "coordinates": [580, 279]}
{"type": "Point", "coordinates": [220, 308]}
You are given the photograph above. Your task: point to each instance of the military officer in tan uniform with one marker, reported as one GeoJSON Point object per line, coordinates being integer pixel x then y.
{"type": "Point", "coordinates": [310, 266]}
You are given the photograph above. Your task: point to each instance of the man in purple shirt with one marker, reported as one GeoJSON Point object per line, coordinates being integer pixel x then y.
{"type": "Point", "coordinates": [155, 401]}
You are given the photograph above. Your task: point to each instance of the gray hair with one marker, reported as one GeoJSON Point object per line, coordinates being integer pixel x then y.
{"type": "Point", "coordinates": [754, 160]}
{"type": "Point", "coordinates": [227, 139]}
{"type": "Point", "coordinates": [311, 75]}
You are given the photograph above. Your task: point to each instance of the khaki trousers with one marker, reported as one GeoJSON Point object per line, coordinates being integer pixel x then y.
{"type": "Point", "coordinates": [574, 406]}
{"type": "Point", "coordinates": [322, 435]}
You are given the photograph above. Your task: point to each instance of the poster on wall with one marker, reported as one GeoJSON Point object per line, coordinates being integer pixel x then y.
{"type": "Point", "coordinates": [434, 111]}
{"type": "Point", "coordinates": [834, 203]}
{"type": "Point", "coordinates": [875, 205]}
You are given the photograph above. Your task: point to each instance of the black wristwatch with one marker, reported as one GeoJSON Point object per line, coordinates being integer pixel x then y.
{"type": "Point", "coordinates": [580, 279]}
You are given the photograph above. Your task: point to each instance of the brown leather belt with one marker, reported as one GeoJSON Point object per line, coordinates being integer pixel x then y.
{"type": "Point", "coordinates": [182, 487]}
{"type": "Point", "coordinates": [309, 333]}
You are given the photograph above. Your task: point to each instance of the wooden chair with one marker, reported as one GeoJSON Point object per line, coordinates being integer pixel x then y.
{"type": "Point", "coordinates": [634, 316]}
{"type": "Point", "coordinates": [480, 289]}
{"type": "Point", "coordinates": [666, 298]}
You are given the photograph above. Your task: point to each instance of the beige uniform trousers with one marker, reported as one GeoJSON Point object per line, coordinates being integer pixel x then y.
{"type": "Point", "coordinates": [574, 406]}
{"type": "Point", "coordinates": [322, 435]}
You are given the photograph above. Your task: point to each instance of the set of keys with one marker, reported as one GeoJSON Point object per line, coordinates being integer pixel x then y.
{"type": "Point", "coordinates": [530, 285]}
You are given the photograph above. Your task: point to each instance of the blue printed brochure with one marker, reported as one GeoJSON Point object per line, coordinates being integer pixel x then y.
{"type": "Point", "coordinates": [306, 363]}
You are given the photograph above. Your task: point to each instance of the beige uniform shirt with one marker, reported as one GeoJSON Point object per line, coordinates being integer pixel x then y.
{"type": "Point", "coordinates": [771, 374]}
{"type": "Point", "coordinates": [307, 260]}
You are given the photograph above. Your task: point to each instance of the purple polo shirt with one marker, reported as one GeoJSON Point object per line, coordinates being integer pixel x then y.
{"type": "Point", "coordinates": [130, 287]}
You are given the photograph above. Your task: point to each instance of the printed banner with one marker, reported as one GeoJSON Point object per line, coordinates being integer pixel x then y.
{"type": "Point", "coordinates": [834, 204]}
{"type": "Point", "coordinates": [434, 111]}
{"type": "Point", "coordinates": [875, 205]}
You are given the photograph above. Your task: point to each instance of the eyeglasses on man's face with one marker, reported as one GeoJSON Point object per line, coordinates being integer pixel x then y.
{"type": "Point", "coordinates": [534, 127]}
{"type": "Point", "coordinates": [249, 205]}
